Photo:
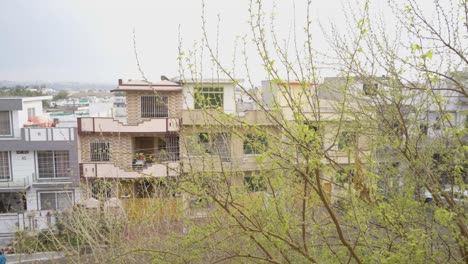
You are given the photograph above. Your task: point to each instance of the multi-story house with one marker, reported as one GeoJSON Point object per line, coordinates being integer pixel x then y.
{"type": "Point", "coordinates": [215, 138]}
{"type": "Point", "coordinates": [123, 158]}
{"type": "Point", "coordinates": [321, 118]}
{"type": "Point", "coordinates": [38, 165]}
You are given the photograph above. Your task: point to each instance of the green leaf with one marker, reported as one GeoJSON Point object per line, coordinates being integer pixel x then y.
{"type": "Point", "coordinates": [415, 47]}
{"type": "Point", "coordinates": [429, 54]}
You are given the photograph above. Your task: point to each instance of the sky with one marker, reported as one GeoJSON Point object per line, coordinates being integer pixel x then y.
{"type": "Point", "coordinates": [92, 41]}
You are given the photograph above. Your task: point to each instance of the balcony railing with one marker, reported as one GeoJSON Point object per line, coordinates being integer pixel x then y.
{"type": "Point", "coordinates": [110, 170]}
{"type": "Point", "coordinates": [15, 185]}
{"type": "Point", "coordinates": [49, 134]}
{"type": "Point", "coordinates": [102, 124]}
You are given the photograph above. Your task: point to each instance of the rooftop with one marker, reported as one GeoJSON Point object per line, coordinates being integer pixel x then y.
{"type": "Point", "coordinates": [141, 85]}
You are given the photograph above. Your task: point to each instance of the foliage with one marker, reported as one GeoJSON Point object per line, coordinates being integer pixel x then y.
{"type": "Point", "coordinates": [19, 91]}
{"type": "Point", "coordinates": [62, 95]}
{"type": "Point", "coordinates": [334, 172]}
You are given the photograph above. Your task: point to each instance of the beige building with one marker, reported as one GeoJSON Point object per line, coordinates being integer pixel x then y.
{"type": "Point", "coordinates": [145, 146]}
{"type": "Point", "coordinates": [193, 128]}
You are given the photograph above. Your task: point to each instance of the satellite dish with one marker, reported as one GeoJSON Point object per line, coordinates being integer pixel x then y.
{"type": "Point", "coordinates": [164, 78]}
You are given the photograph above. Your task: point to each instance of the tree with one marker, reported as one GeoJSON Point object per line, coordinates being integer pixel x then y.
{"type": "Point", "coordinates": [338, 164]}
{"type": "Point", "coordinates": [375, 215]}
{"type": "Point", "coordinates": [62, 95]}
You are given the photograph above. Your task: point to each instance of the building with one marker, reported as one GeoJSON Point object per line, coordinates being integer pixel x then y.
{"type": "Point", "coordinates": [121, 158]}
{"type": "Point", "coordinates": [38, 165]}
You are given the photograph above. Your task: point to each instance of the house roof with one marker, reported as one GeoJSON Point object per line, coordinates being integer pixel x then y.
{"type": "Point", "coordinates": [11, 103]}
{"type": "Point", "coordinates": [141, 85]}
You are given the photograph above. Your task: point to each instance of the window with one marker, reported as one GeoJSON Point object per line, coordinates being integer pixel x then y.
{"type": "Point", "coordinates": [4, 165]}
{"type": "Point", "coordinates": [5, 123]}
{"type": "Point", "coordinates": [31, 112]}
{"type": "Point", "coordinates": [346, 140]}
{"type": "Point", "coordinates": [423, 128]}
{"type": "Point", "coordinates": [209, 97]}
{"type": "Point", "coordinates": [53, 164]}
{"type": "Point", "coordinates": [311, 134]}
{"type": "Point", "coordinates": [101, 190]}
{"type": "Point", "coordinates": [216, 144]}
{"type": "Point", "coordinates": [255, 144]}
{"type": "Point", "coordinates": [370, 89]}
{"type": "Point", "coordinates": [154, 106]}
{"type": "Point", "coordinates": [437, 123]}
{"type": "Point", "coordinates": [200, 202]}
{"type": "Point", "coordinates": [345, 175]}
{"type": "Point", "coordinates": [55, 200]}
{"type": "Point", "coordinates": [255, 184]}
{"type": "Point", "coordinates": [12, 202]}
{"type": "Point", "coordinates": [100, 151]}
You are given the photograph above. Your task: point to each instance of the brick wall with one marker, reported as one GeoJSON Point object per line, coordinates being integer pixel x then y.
{"type": "Point", "coordinates": [120, 148]}
{"type": "Point", "coordinates": [134, 105]}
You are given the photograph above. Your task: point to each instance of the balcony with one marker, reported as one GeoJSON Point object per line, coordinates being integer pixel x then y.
{"type": "Point", "coordinates": [49, 134]}
{"type": "Point", "coordinates": [214, 117]}
{"type": "Point", "coordinates": [110, 125]}
{"type": "Point", "coordinates": [110, 170]}
{"type": "Point", "coordinates": [17, 185]}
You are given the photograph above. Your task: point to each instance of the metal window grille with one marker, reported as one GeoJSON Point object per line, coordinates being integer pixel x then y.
{"type": "Point", "coordinates": [100, 151]}
{"type": "Point", "coordinates": [5, 128]}
{"type": "Point", "coordinates": [209, 97]}
{"type": "Point", "coordinates": [172, 145]}
{"type": "Point", "coordinates": [53, 164]}
{"type": "Point", "coordinates": [4, 165]}
{"type": "Point", "coordinates": [154, 106]}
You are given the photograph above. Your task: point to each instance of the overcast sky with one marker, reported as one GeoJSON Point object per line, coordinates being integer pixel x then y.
{"type": "Point", "coordinates": [92, 41]}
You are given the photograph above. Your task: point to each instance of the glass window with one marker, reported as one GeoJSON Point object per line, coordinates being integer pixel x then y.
{"type": "Point", "coordinates": [209, 97]}
{"type": "Point", "coordinates": [215, 144]}
{"type": "Point", "coordinates": [255, 144]}
{"type": "Point", "coordinates": [255, 184]}
{"type": "Point", "coordinates": [31, 112]}
{"type": "Point", "coordinates": [5, 123]}
{"type": "Point", "coordinates": [346, 140]}
{"type": "Point", "coordinates": [55, 200]}
{"type": "Point", "coordinates": [53, 164]}
{"type": "Point", "coordinates": [4, 165]}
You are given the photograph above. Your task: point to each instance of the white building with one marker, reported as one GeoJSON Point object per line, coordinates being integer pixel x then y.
{"type": "Point", "coordinates": [38, 166]}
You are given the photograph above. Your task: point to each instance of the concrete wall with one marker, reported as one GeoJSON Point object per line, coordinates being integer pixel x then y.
{"type": "Point", "coordinates": [121, 147]}
{"type": "Point", "coordinates": [23, 167]}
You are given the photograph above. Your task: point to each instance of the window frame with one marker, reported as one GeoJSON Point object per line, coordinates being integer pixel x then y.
{"type": "Point", "coordinates": [255, 144]}
{"type": "Point", "coordinates": [100, 157]}
{"type": "Point", "coordinates": [31, 112]}
{"type": "Point", "coordinates": [153, 109]}
{"type": "Point", "coordinates": [39, 200]}
{"type": "Point", "coordinates": [8, 169]}
{"type": "Point", "coordinates": [370, 89]}
{"type": "Point", "coordinates": [206, 143]}
{"type": "Point", "coordinates": [255, 183]}
{"type": "Point", "coordinates": [10, 124]}
{"type": "Point", "coordinates": [56, 167]}
{"type": "Point", "coordinates": [346, 140]}
{"type": "Point", "coordinates": [209, 94]}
